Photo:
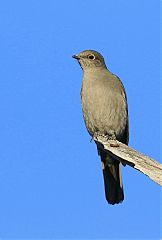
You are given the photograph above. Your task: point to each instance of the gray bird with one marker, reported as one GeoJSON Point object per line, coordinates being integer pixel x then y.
{"type": "Point", "coordinates": [105, 111]}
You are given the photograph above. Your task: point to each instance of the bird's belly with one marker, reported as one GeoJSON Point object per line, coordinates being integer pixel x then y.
{"type": "Point", "coordinates": [104, 113]}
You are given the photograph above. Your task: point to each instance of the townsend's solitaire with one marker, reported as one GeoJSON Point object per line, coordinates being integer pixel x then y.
{"type": "Point", "coordinates": [105, 111]}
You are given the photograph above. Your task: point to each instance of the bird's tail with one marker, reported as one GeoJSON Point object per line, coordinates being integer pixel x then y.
{"type": "Point", "coordinates": [112, 179]}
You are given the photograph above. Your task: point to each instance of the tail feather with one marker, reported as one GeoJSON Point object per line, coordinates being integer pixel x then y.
{"type": "Point", "coordinates": [112, 179]}
{"type": "Point", "coordinates": [113, 185]}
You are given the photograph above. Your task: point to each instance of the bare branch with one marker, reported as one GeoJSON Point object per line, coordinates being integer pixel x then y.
{"type": "Point", "coordinates": [133, 158]}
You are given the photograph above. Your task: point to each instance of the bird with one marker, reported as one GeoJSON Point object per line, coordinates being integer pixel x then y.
{"type": "Point", "coordinates": [105, 112]}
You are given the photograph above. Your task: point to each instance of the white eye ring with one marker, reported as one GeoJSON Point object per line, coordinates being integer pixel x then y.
{"type": "Point", "coordinates": [91, 57]}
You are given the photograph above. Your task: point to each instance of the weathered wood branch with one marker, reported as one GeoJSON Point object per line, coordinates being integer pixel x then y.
{"type": "Point", "coordinates": [133, 158]}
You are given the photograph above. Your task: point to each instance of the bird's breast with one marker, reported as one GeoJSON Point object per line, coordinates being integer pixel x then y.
{"type": "Point", "coordinates": [104, 106]}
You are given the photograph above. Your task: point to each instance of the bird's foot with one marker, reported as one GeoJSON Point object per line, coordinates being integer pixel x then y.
{"type": "Point", "coordinates": [96, 135]}
{"type": "Point", "coordinates": [111, 137]}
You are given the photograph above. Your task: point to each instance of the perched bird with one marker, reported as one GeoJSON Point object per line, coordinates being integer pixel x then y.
{"type": "Point", "coordinates": [105, 111]}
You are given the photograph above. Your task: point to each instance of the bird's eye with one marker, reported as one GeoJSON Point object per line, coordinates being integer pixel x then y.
{"type": "Point", "coordinates": [92, 57]}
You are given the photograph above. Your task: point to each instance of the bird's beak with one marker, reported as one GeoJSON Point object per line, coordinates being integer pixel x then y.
{"type": "Point", "coordinates": [76, 57]}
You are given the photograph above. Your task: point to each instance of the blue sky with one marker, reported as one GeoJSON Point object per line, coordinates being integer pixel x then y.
{"type": "Point", "coordinates": [50, 175]}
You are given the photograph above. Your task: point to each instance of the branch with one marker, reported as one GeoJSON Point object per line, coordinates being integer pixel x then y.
{"type": "Point", "coordinates": [131, 157]}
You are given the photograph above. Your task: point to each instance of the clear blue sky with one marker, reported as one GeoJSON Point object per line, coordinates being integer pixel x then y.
{"type": "Point", "coordinates": [51, 181]}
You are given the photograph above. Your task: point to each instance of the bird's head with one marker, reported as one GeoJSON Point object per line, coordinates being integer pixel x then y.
{"type": "Point", "coordinates": [90, 59]}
